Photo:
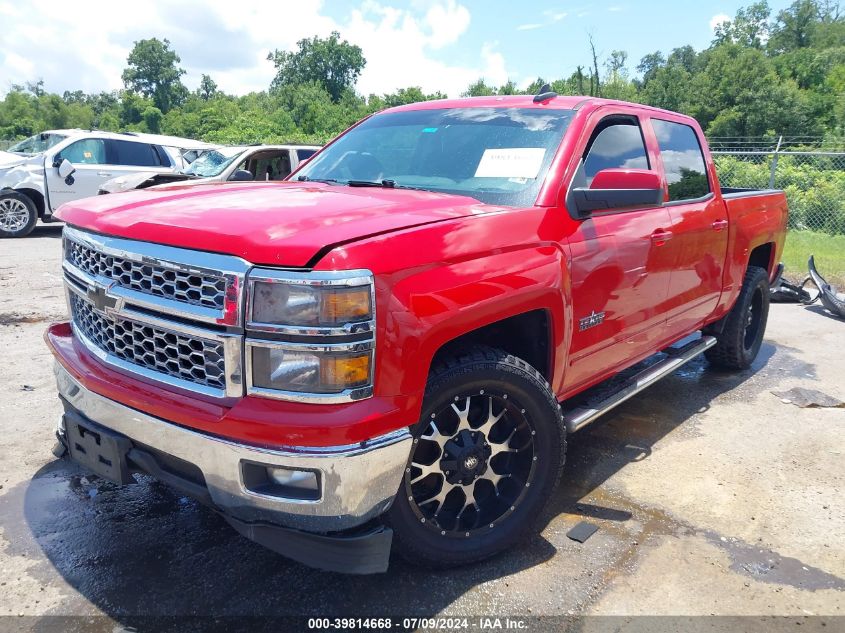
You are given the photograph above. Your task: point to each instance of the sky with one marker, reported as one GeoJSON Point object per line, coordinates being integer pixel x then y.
{"type": "Point", "coordinates": [439, 45]}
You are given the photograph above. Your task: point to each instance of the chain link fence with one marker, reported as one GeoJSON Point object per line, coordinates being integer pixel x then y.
{"type": "Point", "coordinates": [810, 170]}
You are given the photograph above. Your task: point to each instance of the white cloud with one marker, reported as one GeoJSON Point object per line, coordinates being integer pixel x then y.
{"type": "Point", "coordinates": [718, 19]}
{"type": "Point", "coordinates": [447, 23]}
{"type": "Point", "coordinates": [86, 49]}
{"type": "Point", "coordinates": [551, 16]}
{"type": "Point", "coordinates": [397, 44]}
{"type": "Point", "coordinates": [555, 16]}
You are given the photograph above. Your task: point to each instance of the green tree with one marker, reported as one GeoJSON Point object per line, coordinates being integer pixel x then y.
{"type": "Point", "coordinates": [403, 96]}
{"type": "Point", "coordinates": [207, 88]}
{"type": "Point", "coordinates": [479, 89]}
{"type": "Point", "coordinates": [333, 64]}
{"type": "Point", "coordinates": [750, 26]}
{"type": "Point", "coordinates": [649, 65]}
{"type": "Point", "coordinates": [152, 119]}
{"type": "Point", "coordinates": [616, 63]}
{"type": "Point", "coordinates": [154, 73]}
{"type": "Point", "coordinates": [794, 26]}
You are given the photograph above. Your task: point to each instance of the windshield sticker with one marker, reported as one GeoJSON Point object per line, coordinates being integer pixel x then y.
{"type": "Point", "coordinates": [511, 162]}
{"type": "Point", "coordinates": [429, 130]}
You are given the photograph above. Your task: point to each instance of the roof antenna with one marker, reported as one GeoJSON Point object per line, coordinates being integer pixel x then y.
{"type": "Point", "coordinates": [545, 94]}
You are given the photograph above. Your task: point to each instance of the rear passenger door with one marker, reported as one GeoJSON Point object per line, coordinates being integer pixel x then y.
{"type": "Point", "coordinates": [619, 271]}
{"type": "Point", "coordinates": [699, 226]}
{"type": "Point", "coordinates": [129, 157]}
{"type": "Point", "coordinates": [124, 158]}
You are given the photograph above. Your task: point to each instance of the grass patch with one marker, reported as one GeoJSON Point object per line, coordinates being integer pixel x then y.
{"type": "Point", "coordinates": [829, 251]}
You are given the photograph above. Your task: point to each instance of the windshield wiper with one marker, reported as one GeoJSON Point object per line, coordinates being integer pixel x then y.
{"type": "Point", "coordinates": [384, 184]}
{"type": "Point", "coordinates": [307, 179]}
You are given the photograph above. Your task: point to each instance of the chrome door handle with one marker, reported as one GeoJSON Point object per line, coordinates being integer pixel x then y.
{"type": "Point", "coordinates": [718, 225]}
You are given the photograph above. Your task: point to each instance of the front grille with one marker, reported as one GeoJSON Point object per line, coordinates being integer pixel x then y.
{"type": "Point", "coordinates": [185, 287]}
{"type": "Point", "coordinates": [177, 355]}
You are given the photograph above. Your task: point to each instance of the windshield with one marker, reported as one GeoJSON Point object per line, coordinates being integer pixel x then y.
{"type": "Point", "coordinates": [495, 155]}
{"type": "Point", "coordinates": [37, 144]}
{"type": "Point", "coordinates": [213, 162]}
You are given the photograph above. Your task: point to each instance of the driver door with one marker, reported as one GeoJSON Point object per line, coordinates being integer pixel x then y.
{"type": "Point", "coordinates": [619, 265]}
{"type": "Point", "coordinates": [89, 158]}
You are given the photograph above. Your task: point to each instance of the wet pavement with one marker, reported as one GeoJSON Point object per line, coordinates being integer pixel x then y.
{"type": "Point", "coordinates": [710, 494]}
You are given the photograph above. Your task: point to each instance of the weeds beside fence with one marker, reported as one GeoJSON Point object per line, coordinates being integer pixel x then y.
{"type": "Point", "coordinates": [812, 173]}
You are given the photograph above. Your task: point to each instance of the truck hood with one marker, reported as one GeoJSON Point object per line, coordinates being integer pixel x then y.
{"type": "Point", "coordinates": [281, 223]}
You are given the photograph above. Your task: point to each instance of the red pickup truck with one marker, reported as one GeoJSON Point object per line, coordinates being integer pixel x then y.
{"type": "Point", "coordinates": [388, 350]}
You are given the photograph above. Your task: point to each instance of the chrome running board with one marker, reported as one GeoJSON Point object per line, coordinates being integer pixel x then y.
{"type": "Point", "coordinates": [676, 357]}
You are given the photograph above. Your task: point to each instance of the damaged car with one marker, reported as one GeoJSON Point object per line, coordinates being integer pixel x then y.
{"type": "Point", "coordinates": [235, 163]}
{"type": "Point", "coordinates": [42, 172]}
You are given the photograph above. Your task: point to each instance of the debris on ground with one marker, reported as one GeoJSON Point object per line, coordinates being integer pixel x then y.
{"type": "Point", "coordinates": [582, 531]}
{"type": "Point", "coordinates": [833, 301]}
{"type": "Point", "coordinates": [807, 398]}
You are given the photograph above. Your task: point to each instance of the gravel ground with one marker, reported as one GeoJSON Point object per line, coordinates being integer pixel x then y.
{"type": "Point", "coordinates": [711, 495]}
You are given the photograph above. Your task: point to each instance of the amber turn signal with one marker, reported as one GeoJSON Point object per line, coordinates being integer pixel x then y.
{"type": "Point", "coordinates": [343, 305]}
{"type": "Point", "coordinates": [346, 372]}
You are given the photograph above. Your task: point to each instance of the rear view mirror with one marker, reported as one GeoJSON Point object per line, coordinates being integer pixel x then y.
{"type": "Point", "coordinates": [619, 189]}
{"type": "Point", "coordinates": [241, 175]}
{"type": "Point", "coordinates": [66, 168]}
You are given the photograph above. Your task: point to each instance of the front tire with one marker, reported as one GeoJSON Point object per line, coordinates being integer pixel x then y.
{"type": "Point", "coordinates": [18, 215]}
{"type": "Point", "coordinates": [488, 453]}
{"type": "Point", "coordinates": [739, 341]}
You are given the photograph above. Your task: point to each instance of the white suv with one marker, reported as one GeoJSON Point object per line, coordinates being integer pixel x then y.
{"type": "Point", "coordinates": [41, 173]}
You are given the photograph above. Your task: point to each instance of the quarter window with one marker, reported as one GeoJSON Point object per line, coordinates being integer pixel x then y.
{"type": "Point", "coordinates": [683, 160]}
{"type": "Point", "coordinates": [618, 145]}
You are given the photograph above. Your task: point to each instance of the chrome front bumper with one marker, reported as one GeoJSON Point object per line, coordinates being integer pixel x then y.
{"type": "Point", "coordinates": [357, 482]}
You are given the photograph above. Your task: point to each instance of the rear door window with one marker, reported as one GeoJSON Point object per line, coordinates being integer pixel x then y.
{"type": "Point", "coordinates": [134, 154]}
{"type": "Point", "coordinates": [683, 160]}
{"type": "Point", "coordinates": [617, 144]}
{"type": "Point", "coordinates": [302, 154]}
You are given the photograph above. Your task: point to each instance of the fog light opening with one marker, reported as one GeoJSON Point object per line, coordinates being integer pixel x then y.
{"type": "Point", "coordinates": [281, 482]}
{"type": "Point", "coordinates": [299, 479]}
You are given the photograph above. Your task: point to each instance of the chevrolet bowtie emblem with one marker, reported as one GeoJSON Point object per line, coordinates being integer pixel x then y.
{"type": "Point", "coordinates": [101, 299]}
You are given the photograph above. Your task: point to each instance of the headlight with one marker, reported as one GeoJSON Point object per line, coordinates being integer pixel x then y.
{"type": "Point", "coordinates": [311, 335]}
{"type": "Point", "coordinates": [301, 300]}
{"type": "Point", "coordinates": [311, 369]}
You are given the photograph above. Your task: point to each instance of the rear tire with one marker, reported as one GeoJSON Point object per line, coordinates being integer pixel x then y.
{"type": "Point", "coordinates": [488, 453]}
{"type": "Point", "coordinates": [742, 336]}
{"type": "Point", "coordinates": [18, 215]}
